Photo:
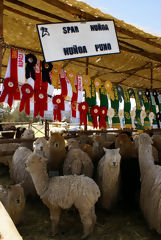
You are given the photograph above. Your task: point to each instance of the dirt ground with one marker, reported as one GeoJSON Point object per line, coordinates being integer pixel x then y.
{"type": "Point", "coordinates": [122, 224]}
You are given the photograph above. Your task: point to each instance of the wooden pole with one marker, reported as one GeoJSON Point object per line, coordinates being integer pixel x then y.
{"type": "Point", "coordinates": [87, 61]}
{"type": "Point", "coordinates": [46, 129]}
{"type": "Point", "coordinates": [1, 35]}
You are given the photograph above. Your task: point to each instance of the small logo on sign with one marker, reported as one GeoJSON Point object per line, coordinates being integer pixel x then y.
{"type": "Point", "coordinates": [44, 31]}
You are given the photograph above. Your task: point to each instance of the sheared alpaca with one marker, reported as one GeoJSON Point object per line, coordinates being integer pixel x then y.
{"type": "Point", "coordinates": [150, 196]}
{"type": "Point", "coordinates": [108, 177]}
{"type": "Point", "coordinates": [64, 191]}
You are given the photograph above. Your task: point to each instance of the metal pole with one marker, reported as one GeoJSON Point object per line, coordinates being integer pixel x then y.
{"type": "Point", "coordinates": [1, 35]}
{"type": "Point", "coordinates": [151, 77]}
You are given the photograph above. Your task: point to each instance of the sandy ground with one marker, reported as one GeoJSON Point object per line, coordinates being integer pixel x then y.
{"type": "Point", "coordinates": [122, 224]}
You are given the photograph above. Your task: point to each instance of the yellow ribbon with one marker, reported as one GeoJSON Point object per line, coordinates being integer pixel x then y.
{"type": "Point", "coordinates": [97, 83]}
{"type": "Point", "coordinates": [55, 75]}
{"type": "Point", "coordinates": [71, 75]}
{"type": "Point", "coordinates": [87, 85]}
{"type": "Point", "coordinates": [108, 86]}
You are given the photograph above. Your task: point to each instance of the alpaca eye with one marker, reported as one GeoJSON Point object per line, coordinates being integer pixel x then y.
{"type": "Point", "coordinates": [17, 201]}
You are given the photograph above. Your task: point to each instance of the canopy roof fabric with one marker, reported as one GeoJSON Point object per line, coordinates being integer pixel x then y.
{"type": "Point", "coordinates": [138, 65]}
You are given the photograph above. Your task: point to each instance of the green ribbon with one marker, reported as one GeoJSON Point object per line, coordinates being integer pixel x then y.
{"type": "Point", "coordinates": [115, 106]}
{"type": "Point", "coordinates": [127, 108]}
{"type": "Point", "coordinates": [91, 102]}
{"type": "Point", "coordinates": [147, 110]}
{"type": "Point", "coordinates": [120, 93]}
{"type": "Point", "coordinates": [104, 101]}
{"type": "Point", "coordinates": [153, 107]}
{"type": "Point", "coordinates": [138, 110]}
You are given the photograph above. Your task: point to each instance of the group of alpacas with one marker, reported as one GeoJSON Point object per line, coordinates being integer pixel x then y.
{"type": "Point", "coordinates": [79, 160]}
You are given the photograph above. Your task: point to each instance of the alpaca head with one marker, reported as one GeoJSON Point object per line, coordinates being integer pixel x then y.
{"type": "Point", "coordinates": [16, 196]}
{"type": "Point", "coordinates": [113, 157]}
{"type": "Point", "coordinates": [28, 133]}
{"type": "Point", "coordinates": [41, 146]}
{"type": "Point", "coordinates": [56, 142]}
{"type": "Point", "coordinates": [145, 139]}
{"type": "Point", "coordinates": [35, 163]}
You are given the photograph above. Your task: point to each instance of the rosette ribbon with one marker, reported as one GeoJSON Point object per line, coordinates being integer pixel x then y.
{"type": "Point", "coordinates": [58, 102]}
{"type": "Point", "coordinates": [103, 114]}
{"type": "Point", "coordinates": [97, 83]}
{"type": "Point", "coordinates": [10, 88]}
{"type": "Point", "coordinates": [147, 94]}
{"type": "Point", "coordinates": [27, 93]}
{"type": "Point", "coordinates": [83, 109]}
{"type": "Point", "coordinates": [55, 75]}
{"type": "Point", "coordinates": [87, 85]}
{"type": "Point", "coordinates": [95, 112]}
{"type": "Point", "coordinates": [71, 75]}
{"type": "Point", "coordinates": [155, 95]}
{"type": "Point", "coordinates": [46, 69]}
{"type": "Point", "coordinates": [31, 61]}
{"type": "Point", "coordinates": [40, 98]}
{"type": "Point", "coordinates": [158, 118]}
{"type": "Point", "coordinates": [108, 86]}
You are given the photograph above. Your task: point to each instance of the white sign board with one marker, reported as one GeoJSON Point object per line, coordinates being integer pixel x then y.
{"type": "Point", "coordinates": [61, 41]}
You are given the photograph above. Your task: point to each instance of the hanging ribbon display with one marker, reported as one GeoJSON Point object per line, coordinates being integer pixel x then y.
{"type": "Point", "coordinates": [87, 85]}
{"type": "Point", "coordinates": [127, 107]}
{"type": "Point", "coordinates": [108, 87]}
{"type": "Point", "coordinates": [158, 118]}
{"type": "Point", "coordinates": [55, 75]}
{"type": "Point", "coordinates": [10, 88]}
{"type": "Point", "coordinates": [71, 75]}
{"type": "Point", "coordinates": [151, 118]}
{"type": "Point", "coordinates": [131, 92]}
{"type": "Point", "coordinates": [147, 94]}
{"type": "Point", "coordinates": [142, 117]}
{"type": "Point", "coordinates": [58, 102]}
{"type": "Point", "coordinates": [140, 96]}
{"type": "Point", "coordinates": [40, 98]}
{"type": "Point", "coordinates": [103, 114]}
{"type": "Point", "coordinates": [115, 106]}
{"type": "Point", "coordinates": [155, 95]}
{"type": "Point", "coordinates": [95, 112]}
{"type": "Point", "coordinates": [31, 61]}
{"type": "Point", "coordinates": [46, 69]}
{"type": "Point", "coordinates": [83, 109]}
{"type": "Point", "coordinates": [121, 116]}
{"type": "Point", "coordinates": [97, 83]}
{"type": "Point", "coordinates": [120, 93]}
{"type": "Point", "coordinates": [133, 114]}
{"type": "Point", "coordinates": [110, 113]}
{"type": "Point", "coordinates": [27, 93]}
{"type": "Point", "coordinates": [104, 101]}
{"type": "Point", "coordinates": [91, 102]}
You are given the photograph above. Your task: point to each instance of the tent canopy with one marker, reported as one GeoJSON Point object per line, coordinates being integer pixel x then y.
{"type": "Point", "coordinates": [138, 65]}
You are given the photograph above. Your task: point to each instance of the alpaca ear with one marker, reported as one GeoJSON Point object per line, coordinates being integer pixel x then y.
{"type": "Point", "coordinates": [118, 150]}
{"type": "Point", "coordinates": [105, 149]}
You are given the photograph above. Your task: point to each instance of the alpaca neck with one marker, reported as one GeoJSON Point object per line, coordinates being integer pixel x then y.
{"type": "Point", "coordinates": [41, 181]}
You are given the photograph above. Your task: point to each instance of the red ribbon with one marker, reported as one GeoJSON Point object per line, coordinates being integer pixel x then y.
{"type": "Point", "coordinates": [58, 101]}
{"type": "Point", "coordinates": [95, 112]}
{"type": "Point", "coordinates": [103, 114]}
{"type": "Point", "coordinates": [40, 97]}
{"type": "Point", "coordinates": [83, 109]}
{"type": "Point", "coordinates": [10, 88]}
{"type": "Point", "coordinates": [27, 93]}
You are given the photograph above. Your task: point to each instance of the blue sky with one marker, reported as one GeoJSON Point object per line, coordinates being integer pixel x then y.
{"type": "Point", "coordinates": [145, 14]}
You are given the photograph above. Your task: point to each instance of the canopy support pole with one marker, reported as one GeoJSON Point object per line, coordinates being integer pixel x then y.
{"type": "Point", "coordinates": [151, 77]}
{"type": "Point", "coordinates": [87, 61]}
{"type": "Point", "coordinates": [1, 35]}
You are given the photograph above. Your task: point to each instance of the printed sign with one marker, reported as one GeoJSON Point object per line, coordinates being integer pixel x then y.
{"type": "Point", "coordinates": [61, 41]}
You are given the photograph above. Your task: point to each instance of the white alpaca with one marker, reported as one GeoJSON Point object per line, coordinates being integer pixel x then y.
{"type": "Point", "coordinates": [64, 191]}
{"type": "Point", "coordinates": [28, 134]}
{"type": "Point", "coordinates": [17, 168]}
{"type": "Point", "coordinates": [78, 162]}
{"type": "Point", "coordinates": [150, 195]}
{"type": "Point", "coordinates": [108, 177]}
